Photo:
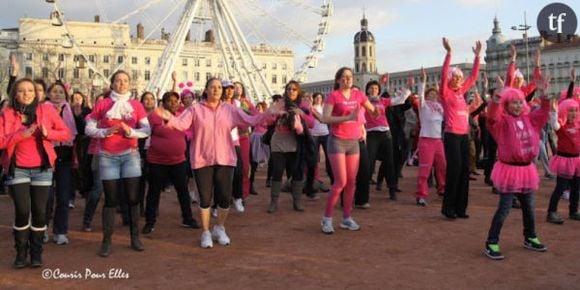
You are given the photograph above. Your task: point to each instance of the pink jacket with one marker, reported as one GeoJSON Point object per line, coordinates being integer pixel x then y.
{"type": "Point", "coordinates": [454, 104]}
{"type": "Point", "coordinates": [11, 130]}
{"type": "Point", "coordinates": [517, 137]}
{"type": "Point", "coordinates": [212, 142]}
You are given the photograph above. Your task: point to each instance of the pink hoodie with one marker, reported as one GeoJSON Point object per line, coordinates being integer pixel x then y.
{"type": "Point", "coordinates": [454, 104]}
{"type": "Point", "coordinates": [212, 142]}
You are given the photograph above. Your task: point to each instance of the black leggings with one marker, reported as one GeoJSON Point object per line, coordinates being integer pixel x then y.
{"type": "Point", "coordinates": [361, 194]}
{"type": "Point", "coordinates": [29, 201]}
{"type": "Point", "coordinates": [561, 185]}
{"type": "Point", "coordinates": [457, 178]}
{"type": "Point", "coordinates": [288, 161]}
{"type": "Point", "coordinates": [128, 191]}
{"type": "Point", "coordinates": [214, 183]}
{"type": "Point", "coordinates": [237, 183]}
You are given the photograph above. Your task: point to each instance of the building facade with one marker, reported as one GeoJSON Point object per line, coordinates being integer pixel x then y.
{"type": "Point", "coordinates": [44, 51]}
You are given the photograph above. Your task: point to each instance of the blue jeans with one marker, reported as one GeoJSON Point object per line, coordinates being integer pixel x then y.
{"type": "Point", "coordinates": [34, 176]}
{"type": "Point", "coordinates": [503, 209]}
{"type": "Point", "coordinates": [121, 165]}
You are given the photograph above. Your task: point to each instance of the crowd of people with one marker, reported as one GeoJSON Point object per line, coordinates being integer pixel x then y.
{"type": "Point", "coordinates": [55, 143]}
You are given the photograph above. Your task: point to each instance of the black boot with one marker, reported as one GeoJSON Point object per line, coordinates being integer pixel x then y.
{"type": "Point", "coordinates": [275, 193]}
{"type": "Point", "coordinates": [108, 222]}
{"type": "Point", "coordinates": [36, 240]}
{"type": "Point", "coordinates": [392, 193]}
{"type": "Point", "coordinates": [296, 195]}
{"type": "Point", "coordinates": [21, 238]}
{"type": "Point", "coordinates": [134, 228]}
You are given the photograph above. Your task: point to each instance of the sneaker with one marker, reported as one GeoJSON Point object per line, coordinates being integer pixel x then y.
{"type": "Point", "coordinates": [87, 228]}
{"type": "Point", "coordinates": [326, 224]}
{"type": "Point", "coordinates": [46, 238]}
{"type": "Point", "coordinates": [193, 196]}
{"type": "Point", "coordinates": [214, 212]}
{"type": "Point", "coordinates": [192, 224]}
{"type": "Point", "coordinates": [492, 251]}
{"type": "Point", "coordinates": [218, 234]}
{"type": "Point", "coordinates": [323, 187]}
{"type": "Point", "coordinates": [60, 239]}
{"type": "Point", "coordinates": [421, 202]}
{"type": "Point", "coordinates": [574, 216]}
{"type": "Point", "coordinates": [147, 229]}
{"type": "Point", "coordinates": [534, 244]}
{"type": "Point", "coordinates": [349, 224]}
{"type": "Point", "coordinates": [363, 206]}
{"type": "Point", "coordinates": [566, 195]}
{"type": "Point", "coordinates": [239, 205]}
{"type": "Point", "coordinates": [206, 241]}
{"type": "Point", "coordinates": [71, 204]}
{"type": "Point", "coordinates": [554, 218]}
{"type": "Point", "coordinates": [549, 176]}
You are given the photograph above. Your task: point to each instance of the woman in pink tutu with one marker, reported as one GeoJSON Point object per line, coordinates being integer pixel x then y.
{"type": "Point", "coordinates": [566, 163]}
{"type": "Point", "coordinates": [517, 132]}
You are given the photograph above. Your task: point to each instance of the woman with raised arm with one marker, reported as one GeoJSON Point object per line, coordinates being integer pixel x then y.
{"type": "Point", "coordinates": [453, 87]}
{"type": "Point", "coordinates": [118, 121]}
{"type": "Point", "coordinates": [213, 156]}
{"type": "Point", "coordinates": [341, 113]}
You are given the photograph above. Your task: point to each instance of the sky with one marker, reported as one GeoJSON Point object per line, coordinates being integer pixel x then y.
{"type": "Point", "coordinates": [408, 32]}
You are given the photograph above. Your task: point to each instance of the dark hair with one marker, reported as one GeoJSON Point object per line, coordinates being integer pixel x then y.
{"type": "Point", "coordinates": [372, 83]}
{"type": "Point", "coordinates": [276, 97]}
{"type": "Point", "coordinates": [84, 102]}
{"type": "Point", "coordinates": [243, 88]}
{"type": "Point", "coordinates": [59, 83]}
{"type": "Point", "coordinates": [114, 75]}
{"type": "Point", "coordinates": [168, 95]}
{"type": "Point", "coordinates": [29, 110]}
{"type": "Point", "coordinates": [263, 105]}
{"type": "Point", "coordinates": [204, 94]}
{"type": "Point", "coordinates": [338, 75]}
{"type": "Point", "coordinates": [385, 94]}
{"type": "Point", "coordinates": [300, 92]}
{"type": "Point", "coordinates": [431, 90]}
{"type": "Point", "coordinates": [40, 82]}
{"type": "Point", "coordinates": [142, 98]}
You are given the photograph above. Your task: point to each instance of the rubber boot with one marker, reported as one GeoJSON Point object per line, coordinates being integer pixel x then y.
{"type": "Point", "coordinates": [108, 223]}
{"type": "Point", "coordinates": [275, 193]}
{"type": "Point", "coordinates": [36, 240]}
{"type": "Point", "coordinates": [21, 238]}
{"type": "Point", "coordinates": [296, 195]}
{"type": "Point", "coordinates": [134, 228]}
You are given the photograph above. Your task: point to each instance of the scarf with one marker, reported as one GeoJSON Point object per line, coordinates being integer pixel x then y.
{"type": "Point", "coordinates": [29, 111]}
{"type": "Point", "coordinates": [121, 108]}
{"type": "Point", "coordinates": [69, 120]}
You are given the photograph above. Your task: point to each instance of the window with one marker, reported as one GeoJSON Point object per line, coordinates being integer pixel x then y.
{"type": "Point", "coordinates": [370, 51]}
{"type": "Point", "coordinates": [356, 52]}
{"type": "Point", "coordinates": [45, 57]}
{"type": "Point", "coordinates": [274, 66]}
{"type": "Point", "coordinates": [134, 60]}
{"type": "Point", "coordinates": [356, 68]}
{"type": "Point", "coordinates": [106, 59]}
{"type": "Point", "coordinates": [274, 79]}
{"type": "Point", "coordinates": [364, 51]}
{"type": "Point", "coordinates": [28, 56]}
{"type": "Point", "coordinates": [61, 57]}
{"type": "Point", "coordinates": [76, 73]}
{"type": "Point", "coordinates": [45, 73]}
{"type": "Point", "coordinates": [61, 73]}
{"type": "Point", "coordinates": [92, 58]}
{"type": "Point", "coordinates": [196, 76]}
{"type": "Point", "coordinates": [147, 60]}
{"type": "Point", "coordinates": [134, 74]}
{"type": "Point", "coordinates": [184, 62]}
{"type": "Point", "coordinates": [28, 71]}
{"type": "Point", "coordinates": [147, 75]}
{"type": "Point", "coordinates": [264, 66]}
{"type": "Point", "coordinates": [208, 62]}
{"type": "Point", "coordinates": [120, 59]}
{"type": "Point", "coordinates": [91, 73]}
{"type": "Point", "coordinates": [196, 62]}
{"type": "Point", "coordinates": [207, 76]}
{"type": "Point", "coordinates": [284, 67]}
{"type": "Point", "coordinates": [106, 73]}
{"type": "Point", "coordinates": [284, 79]}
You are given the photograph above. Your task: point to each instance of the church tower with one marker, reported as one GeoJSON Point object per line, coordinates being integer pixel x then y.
{"type": "Point", "coordinates": [365, 59]}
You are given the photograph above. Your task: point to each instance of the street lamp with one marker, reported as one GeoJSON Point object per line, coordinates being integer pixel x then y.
{"type": "Point", "coordinates": [525, 27]}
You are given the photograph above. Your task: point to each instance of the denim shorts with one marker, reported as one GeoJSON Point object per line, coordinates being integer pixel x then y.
{"type": "Point", "coordinates": [35, 176]}
{"type": "Point", "coordinates": [122, 165]}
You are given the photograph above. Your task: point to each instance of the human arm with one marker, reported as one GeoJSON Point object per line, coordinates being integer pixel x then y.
{"type": "Point", "coordinates": [401, 96]}
{"type": "Point", "coordinates": [445, 68]}
{"type": "Point", "coordinates": [539, 118]}
{"type": "Point", "coordinates": [422, 84]}
{"type": "Point", "coordinates": [475, 71]}
{"type": "Point", "coordinates": [142, 131]}
{"type": "Point", "coordinates": [174, 82]}
{"type": "Point", "coordinates": [14, 71]}
{"type": "Point", "coordinates": [570, 91]}
{"type": "Point", "coordinates": [511, 69]}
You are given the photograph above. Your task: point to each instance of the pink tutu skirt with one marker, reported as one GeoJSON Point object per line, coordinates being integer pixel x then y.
{"type": "Point", "coordinates": [566, 167]}
{"type": "Point", "coordinates": [260, 151]}
{"type": "Point", "coordinates": [510, 178]}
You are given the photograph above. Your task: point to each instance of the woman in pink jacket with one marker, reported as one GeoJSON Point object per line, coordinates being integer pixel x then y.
{"type": "Point", "coordinates": [213, 156]}
{"type": "Point", "coordinates": [455, 140]}
{"type": "Point", "coordinates": [517, 132]}
{"type": "Point", "coordinates": [27, 130]}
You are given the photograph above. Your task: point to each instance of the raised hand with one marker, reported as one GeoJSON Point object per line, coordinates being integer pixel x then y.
{"type": "Point", "coordinates": [538, 57]}
{"type": "Point", "coordinates": [499, 81]}
{"type": "Point", "coordinates": [543, 84]}
{"type": "Point", "coordinates": [174, 76]}
{"type": "Point", "coordinates": [573, 75]}
{"type": "Point", "coordinates": [477, 48]}
{"type": "Point", "coordinates": [485, 82]}
{"type": "Point", "coordinates": [14, 65]}
{"type": "Point", "coordinates": [447, 45]}
{"type": "Point", "coordinates": [423, 75]}
{"type": "Point", "coordinates": [410, 82]}
{"type": "Point", "coordinates": [513, 52]}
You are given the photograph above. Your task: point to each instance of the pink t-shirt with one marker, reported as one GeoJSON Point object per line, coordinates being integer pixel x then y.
{"type": "Point", "coordinates": [381, 121]}
{"type": "Point", "coordinates": [344, 107]}
{"type": "Point", "coordinates": [118, 142]}
{"type": "Point", "coordinates": [28, 153]}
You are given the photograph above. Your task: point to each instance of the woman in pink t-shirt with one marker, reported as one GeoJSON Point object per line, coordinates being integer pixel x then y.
{"type": "Point", "coordinates": [341, 113]}
{"type": "Point", "coordinates": [118, 121]}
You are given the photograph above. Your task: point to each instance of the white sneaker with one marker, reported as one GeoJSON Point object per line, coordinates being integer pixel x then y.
{"type": "Point", "coordinates": [239, 205]}
{"type": "Point", "coordinates": [60, 239]}
{"type": "Point", "coordinates": [46, 238]}
{"type": "Point", "coordinates": [71, 204]}
{"type": "Point", "coordinates": [218, 233]}
{"type": "Point", "coordinates": [349, 224]}
{"type": "Point", "coordinates": [193, 197]}
{"type": "Point", "coordinates": [214, 212]}
{"type": "Point", "coordinates": [206, 241]}
{"type": "Point", "coordinates": [327, 225]}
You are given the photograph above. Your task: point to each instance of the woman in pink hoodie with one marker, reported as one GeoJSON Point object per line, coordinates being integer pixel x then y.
{"type": "Point", "coordinates": [517, 132]}
{"type": "Point", "coordinates": [455, 140]}
{"type": "Point", "coordinates": [213, 157]}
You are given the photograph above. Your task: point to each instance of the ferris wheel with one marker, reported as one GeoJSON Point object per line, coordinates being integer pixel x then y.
{"type": "Point", "coordinates": [239, 27]}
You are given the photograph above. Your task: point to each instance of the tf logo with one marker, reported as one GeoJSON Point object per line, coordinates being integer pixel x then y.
{"type": "Point", "coordinates": [557, 22]}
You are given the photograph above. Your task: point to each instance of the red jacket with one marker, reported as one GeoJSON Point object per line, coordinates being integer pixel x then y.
{"type": "Point", "coordinates": [11, 130]}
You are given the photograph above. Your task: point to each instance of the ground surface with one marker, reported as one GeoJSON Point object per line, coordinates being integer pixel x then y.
{"type": "Point", "coordinates": [400, 246]}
